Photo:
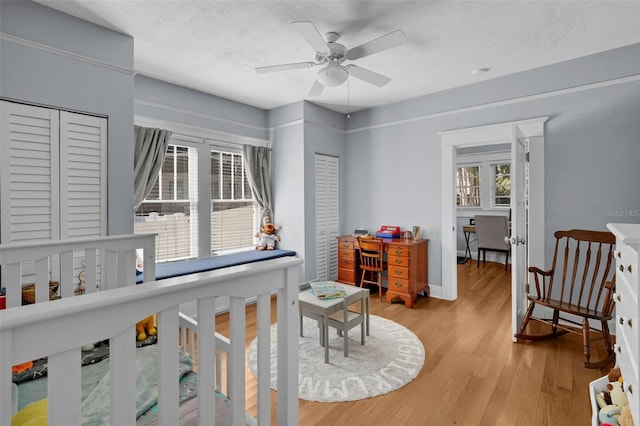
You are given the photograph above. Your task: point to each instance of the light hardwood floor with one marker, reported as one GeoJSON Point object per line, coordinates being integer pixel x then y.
{"type": "Point", "coordinates": [474, 374]}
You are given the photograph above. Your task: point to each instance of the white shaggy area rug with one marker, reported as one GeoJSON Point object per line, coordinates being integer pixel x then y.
{"type": "Point", "coordinates": [391, 357]}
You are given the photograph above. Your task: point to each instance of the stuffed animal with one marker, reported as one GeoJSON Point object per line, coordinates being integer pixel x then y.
{"type": "Point", "coordinates": [625, 418]}
{"type": "Point", "coordinates": [146, 327]}
{"type": "Point", "coordinates": [268, 236]}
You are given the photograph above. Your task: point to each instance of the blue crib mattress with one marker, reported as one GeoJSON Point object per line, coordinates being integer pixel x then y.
{"type": "Point", "coordinates": [185, 267]}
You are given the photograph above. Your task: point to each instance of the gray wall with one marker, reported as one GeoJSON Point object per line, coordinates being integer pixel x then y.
{"type": "Point", "coordinates": [592, 146]}
{"type": "Point", "coordinates": [57, 78]}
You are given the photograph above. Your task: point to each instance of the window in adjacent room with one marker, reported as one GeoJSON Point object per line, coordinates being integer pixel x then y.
{"type": "Point", "coordinates": [468, 186]}
{"type": "Point", "coordinates": [502, 187]}
{"type": "Point", "coordinates": [483, 181]}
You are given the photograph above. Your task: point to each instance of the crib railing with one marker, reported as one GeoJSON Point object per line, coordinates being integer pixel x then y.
{"type": "Point", "coordinates": [58, 329]}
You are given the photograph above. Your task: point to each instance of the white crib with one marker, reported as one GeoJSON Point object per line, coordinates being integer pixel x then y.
{"type": "Point", "coordinates": [58, 329]}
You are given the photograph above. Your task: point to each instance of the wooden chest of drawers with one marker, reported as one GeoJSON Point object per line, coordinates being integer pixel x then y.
{"type": "Point", "coordinates": [407, 269]}
{"type": "Point", "coordinates": [348, 270]}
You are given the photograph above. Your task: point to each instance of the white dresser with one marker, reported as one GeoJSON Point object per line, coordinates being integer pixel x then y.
{"type": "Point", "coordinates": [626, 296]}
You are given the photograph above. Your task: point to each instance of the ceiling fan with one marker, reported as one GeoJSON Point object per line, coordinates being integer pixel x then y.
{"type": "Point", "coordinates": [331, 55]}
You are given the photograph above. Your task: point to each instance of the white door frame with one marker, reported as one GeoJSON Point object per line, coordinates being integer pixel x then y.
{"type": "Point", "coordinates": [532, 129]}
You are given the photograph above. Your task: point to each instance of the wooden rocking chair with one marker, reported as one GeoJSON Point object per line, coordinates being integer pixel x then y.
{"type": "Point", "coordinates": [579, 285]}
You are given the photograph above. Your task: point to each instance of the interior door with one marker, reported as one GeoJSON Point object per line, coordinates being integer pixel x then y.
{"type": "Point", "coordinates": [327, 217]}
{"type": "Point", "coordinates": [518, 238]}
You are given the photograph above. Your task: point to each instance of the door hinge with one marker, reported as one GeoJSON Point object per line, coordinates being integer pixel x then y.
{"type": "Point", "coordinates": [526, 157]}
{"type": "Point", "coordinates": [526, 288]}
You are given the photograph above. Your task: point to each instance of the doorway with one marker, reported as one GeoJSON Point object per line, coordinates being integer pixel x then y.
{"type": "Point", "coordinates": [531, 130]}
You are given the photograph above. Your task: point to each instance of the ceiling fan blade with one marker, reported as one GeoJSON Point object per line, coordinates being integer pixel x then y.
{"type": "Point", "coordinates": [316, 89]}
{"type": "Point", "coordinates": [379, 44]}
{"type": "Point", "coordinates": [310, 33]}
{"type": "Point", "coordinates": [367, 75]}
{"type": "Point", "coordinates": [284, 67]}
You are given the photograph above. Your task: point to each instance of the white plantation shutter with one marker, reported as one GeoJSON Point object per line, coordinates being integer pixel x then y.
{"type": "Point", "coordinates": [52, 176]}
{"type": "Point", "coordinates": [327, 216]}
{"type": "Point", "coordinates": [29, 179]}
{"type": "Point", "coordinates": [83, 202]}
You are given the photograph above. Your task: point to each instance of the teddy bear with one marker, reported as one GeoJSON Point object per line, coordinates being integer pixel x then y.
{"type": "Point", "coordinates": [268, 236]}
{"type": "Point", "coordinates": [146, 327]}
{"type": "Point", "coordinates": [613, 402]}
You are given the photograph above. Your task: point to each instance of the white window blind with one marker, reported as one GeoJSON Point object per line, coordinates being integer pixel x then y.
{"type": "Point", "coordinates": [170, 209]}
{"type": "Point", "coordinates": [232, 204]}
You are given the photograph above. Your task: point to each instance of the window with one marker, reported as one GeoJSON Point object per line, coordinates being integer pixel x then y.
{"type": "Point", "coordinates": [171, 210]}
{"type": "Point", "coordinates": [483, 181]}
{"type": "Point", "coordinates": [468, 186]}
{"type": "Point", "coordinates": [232, 205]}
{"type": "Point", "coordinates": [502, 187]}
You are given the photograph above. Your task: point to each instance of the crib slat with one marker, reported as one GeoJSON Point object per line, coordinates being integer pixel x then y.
{"type": "Point", "coordinates": [109, 276]}
{"type": "Point", "coordinates": [64, 388]}
{"type": "Point", "coordinates": [206, 352]}
{"type": "Point", "coordinates": [288, 350]}
{"type": "Point", "coordinates": [14, 285]}
{"type": "Point", "coordinates": [122, 370]}
{"type": "Point", "coordinates": [264, 359]}
{"type": "Point", "coordinates": [235, 358]}
{"type": "Point", "coordinates": [66, 274]}
{"type": "Point", "coordinates": [5, 378]}
{"type": "Point", "coordinates": [42, 280]}
{"type": "Point", "coordinates": [91, 269]}
{"type": "Point", "coordinates": [168, 390]}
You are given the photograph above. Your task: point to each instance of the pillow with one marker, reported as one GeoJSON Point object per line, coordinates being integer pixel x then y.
{"type": "Point", "coordinates": [34, 414]}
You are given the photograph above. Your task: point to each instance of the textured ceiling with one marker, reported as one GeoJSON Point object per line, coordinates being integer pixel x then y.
{"type": "Point", "coordinates": [214, 46]}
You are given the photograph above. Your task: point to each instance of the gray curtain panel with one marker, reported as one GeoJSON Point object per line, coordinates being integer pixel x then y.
{"type": "Point", "coordinates": [257, 160]}
{"type": "Point", "coordinates": [150, 149]}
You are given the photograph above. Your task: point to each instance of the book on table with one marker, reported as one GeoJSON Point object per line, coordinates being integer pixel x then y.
{"type": "Point", "coordinates": [328, 290]}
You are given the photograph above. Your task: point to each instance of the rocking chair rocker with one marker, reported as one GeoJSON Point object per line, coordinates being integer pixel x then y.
{"type": "Point", "coordinates": [580, 283]}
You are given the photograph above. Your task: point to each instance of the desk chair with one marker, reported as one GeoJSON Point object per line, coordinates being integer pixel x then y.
{"type": "Point", "coordinates": [372, 262]}
{"type": "Point", "coordinates": [345, 319]}
{"type": "Point", "coordinates": [490, 233]}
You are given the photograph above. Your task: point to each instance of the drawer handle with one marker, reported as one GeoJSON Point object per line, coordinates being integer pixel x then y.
{"type": "Point", "coordinates": [345, 262]}
{"type": "Point", "coordinates": [398, 261]}
{"type": "Point", "coordinates": [398, 271]}
{"type": "Point", "coordinates": [398, 251]}
{"type": "Point", "coordinates": [398, 285]}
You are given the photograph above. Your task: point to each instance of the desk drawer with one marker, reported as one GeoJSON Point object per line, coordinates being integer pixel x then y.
{"type": "Point", "coordinates": [398, 285]}
{"type": "Point", "coordinates": [346, 254]}
{"type": "Point", "coordinates": [397, 272]}
{"type": "Point", "coordinates": [346, 244]}
{"type": "Point", "coordinates": [398, 261]}
{"type": "Point", "coordinates": [347, 275]}
{"type": "Point", "coordinates": [346, 263]}
{"type": "Point", "coordinates": [398, 251]}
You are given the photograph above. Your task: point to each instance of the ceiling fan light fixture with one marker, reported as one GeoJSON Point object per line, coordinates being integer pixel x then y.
{"type": "Point", "coordinates": [332, 75]}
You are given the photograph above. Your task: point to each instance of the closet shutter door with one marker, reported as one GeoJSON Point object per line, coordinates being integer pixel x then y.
{"type": "Point", "coordinates": [83, 175]}
{"type": "Point", "coordinates": [29, 179]}
{"type": "Point", "coordinates": [327, 217]}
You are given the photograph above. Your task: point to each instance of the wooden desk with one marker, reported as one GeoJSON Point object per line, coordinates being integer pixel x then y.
{"type": "Point", "coordinates": [407, 266]}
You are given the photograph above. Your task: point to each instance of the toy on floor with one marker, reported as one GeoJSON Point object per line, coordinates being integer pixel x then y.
{"type": "Point", "coordinates": [268, 236]}
{"type": "Point", "coordinates": [146, 327]}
